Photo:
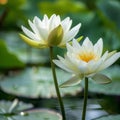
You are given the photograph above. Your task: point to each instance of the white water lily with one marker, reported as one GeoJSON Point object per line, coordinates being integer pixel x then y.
{"type": "Point", "coordinates": [49, 32]}
{"type": "Point", "coordinates": [86, 60]}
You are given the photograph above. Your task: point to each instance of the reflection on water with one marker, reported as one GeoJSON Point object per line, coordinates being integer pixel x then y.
{"type": "Point", "coordinates": [73, 108]}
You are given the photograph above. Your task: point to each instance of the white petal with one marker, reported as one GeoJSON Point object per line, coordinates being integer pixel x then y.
{"type": "Point", "coordinates": [110, 54]}
{"type": "Point", "coordinates": [72, 33]}
{"type": "Point", "coordinates": [45, 20]}
{"type": "Point", "coordinates": [101, 79]}
{"type": "Point", "coordinates": [51, 22]}
{"type": "Point", "coordinates": [71, 64]}
{"type": "Point", "coordinates": [54, 22]}
{"type": "Point", "coordinates": [29, 33]}
{"type": "Point", "coordinates": [58, 20]}
{"type": "Point", "coordinates": [93, 66]}
{"type": "Point", "coordinates": [75, 44]}
{"type": "Point", "coordinates": [61, 65]}
{"type": "Point", "coordinates": [98, 47]}
{"type": "Point", "coordinates": [33, 27]}
{"type": "Point", "coordinates": [76, 79]}
{"type": "Point", "coordinates": [110, 60]}
{"type": "Point", "coordinates": [66, 62]}
{"type": "Point", "coordinates": [43, 32]}
{"type": "Point", "coordinates": [83, 67]}
{"type": "Point", "coordinates": [70, 49]}
{"type": "Point", "coordinates": [66, 24]}
{"type": "Point", "coordinates": [38, 21]}
{"type": "Point", "coordinates": [105, 55]}
{"type": "Point", "coordinates": [87, 45]}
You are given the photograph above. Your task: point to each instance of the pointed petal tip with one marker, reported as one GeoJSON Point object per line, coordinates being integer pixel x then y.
{"type": "Point", "coordinates": [22, 27]}
{"type": "Point", "coordinates": [72, 81]}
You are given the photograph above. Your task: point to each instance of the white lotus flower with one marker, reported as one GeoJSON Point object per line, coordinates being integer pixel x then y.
{"type": "Point", "coordinates": [86, 60]}
{"type": "Point", "coordinates": [49, 32]}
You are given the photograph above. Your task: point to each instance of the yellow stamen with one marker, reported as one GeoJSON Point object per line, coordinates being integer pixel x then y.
{"type": "Point", "coordinates": [87, 56]}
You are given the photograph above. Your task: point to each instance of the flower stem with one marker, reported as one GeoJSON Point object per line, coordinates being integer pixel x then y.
{"type": "Point", "coordinates": [56, 84]}
{"type": "Point", "coordinates": [85, 98]}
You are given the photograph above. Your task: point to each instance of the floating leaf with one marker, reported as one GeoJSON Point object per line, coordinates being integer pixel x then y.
{"type": "Point", "coordinates": [37, 82]}
{"type": "Point", "coordinates": [7, 59]}
{"type": "Point", "coordinates": [23, 51]}
{"type": "Point", "coordinates": [39, 115]}
{"type": "Point", "coordinates": [33, 115]}
{"type": "Point", "coordinates": [6, 105]}
{"type": "Point", "coordinates": [110, 117]}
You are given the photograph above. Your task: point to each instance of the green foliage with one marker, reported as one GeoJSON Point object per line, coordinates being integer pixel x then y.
{"type": "Point", "coordinates": [7, 59]}
{"type": "Point", "coordinates": [61, 7]}
{"type": "Point", "coordinates": [12, 14]}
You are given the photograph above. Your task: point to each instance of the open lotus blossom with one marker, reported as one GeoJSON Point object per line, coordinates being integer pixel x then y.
{"type": "Point", "coordinates": [49, 32]}
{"type": "Point", "coordinates": [86, 60]}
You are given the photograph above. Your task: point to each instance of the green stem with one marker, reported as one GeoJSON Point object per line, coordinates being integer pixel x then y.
{"type": "Point", "coordinates": [85, 98]}
{"type": "Point", "coordinates": [56, 84]}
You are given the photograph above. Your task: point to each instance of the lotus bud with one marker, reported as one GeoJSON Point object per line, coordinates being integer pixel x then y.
{"type": "Point", "coordinates": [55, 36]}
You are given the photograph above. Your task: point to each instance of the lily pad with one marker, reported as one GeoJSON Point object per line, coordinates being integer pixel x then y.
{"type": "Point", "coordinates": [19, 112]}
{"type": "Point", "coordinates": [39, 115]}
{"type": "Point", "coordinates": [5, 106]}
{"type": "Point", "coordinates": [34, 115]}
{"type": "Point", "coordinates": [110, 117]}
{"type": "Point", "coordinates": [110, 89]}
{"type": "Point", "coordinates": [24, 52]}
{"type": "Point", "coordinates": [37, 82]}
{"type": "Point", "coordinates": [8, 59]}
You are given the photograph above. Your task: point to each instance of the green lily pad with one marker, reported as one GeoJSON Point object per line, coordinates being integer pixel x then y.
{"type": "Point", "coordinates": [110, 117]}
{"type": "Point", "coordinates": [111, 89]}
{"type": "Point", "coordinates": [34, 115]}
{"type": "Point", "coordinates": [24, 52]}
{"type": "Point", "coordinates": [39, 115]}
{"type": "Point", "coordinates": [8, 59]}
{"type": "Point", "coordinates": [5, 106]}
{"type": "Point", "coordinates": [37, 82]}
{"type": "Point", "coordinates": [19, 114]}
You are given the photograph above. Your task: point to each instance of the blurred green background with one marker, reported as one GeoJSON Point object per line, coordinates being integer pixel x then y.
{"type": "Point", "coordinates": [99, 18]}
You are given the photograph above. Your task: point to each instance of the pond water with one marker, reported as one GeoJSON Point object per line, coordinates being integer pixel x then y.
{"type": "Point", "coordinates": [73, 107]}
